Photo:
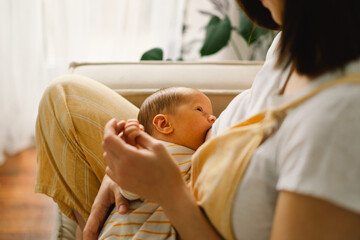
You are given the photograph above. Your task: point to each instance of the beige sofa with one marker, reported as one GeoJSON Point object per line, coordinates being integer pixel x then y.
{"type": "Point", "coordinates": [221, 81]}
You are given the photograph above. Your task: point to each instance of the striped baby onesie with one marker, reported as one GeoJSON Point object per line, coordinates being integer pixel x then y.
{"type": "Point", "coordinates": [146, 219]}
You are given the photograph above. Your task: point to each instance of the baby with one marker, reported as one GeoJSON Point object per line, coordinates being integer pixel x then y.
{"type": "Point", "coordinates": [180, 118]}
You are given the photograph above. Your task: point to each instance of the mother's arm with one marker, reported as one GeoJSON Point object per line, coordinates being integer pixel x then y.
{"type": "Point", "coordinates": [299, 216]}
{"type": "Point", "coordinates": [108, 195]}
{"type": "Point", "coordinates": [153, 174]}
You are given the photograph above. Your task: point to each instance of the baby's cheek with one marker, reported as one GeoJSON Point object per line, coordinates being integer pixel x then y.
{"type": "Point", "coordinates": [200, 133]}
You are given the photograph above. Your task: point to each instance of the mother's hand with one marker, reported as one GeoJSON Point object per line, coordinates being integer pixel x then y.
{"type": "Point", "coordinates": [107, 195]}
{"type": "Point", "coordinates": [149, 171]}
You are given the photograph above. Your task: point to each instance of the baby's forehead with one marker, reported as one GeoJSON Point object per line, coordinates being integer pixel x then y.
{"type": "Point", "coordinates": [189, 95]}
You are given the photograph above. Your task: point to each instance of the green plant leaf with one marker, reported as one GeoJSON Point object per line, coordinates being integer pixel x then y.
{"type": "Point", "coordinates": [218, 32]}
{"type": "Point", "coordinates": [248, 30]}
{"type": "Point", "coordinates": [155, 54]}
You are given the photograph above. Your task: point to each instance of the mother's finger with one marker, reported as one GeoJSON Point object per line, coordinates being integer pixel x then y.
{"type": "Point", "coordinates": [120, 126]}
{"type": "Point", "coordinates": [111, 141]}
{"type": "Point", "coordinates": [146, 141]}
{"type": "Point", "coordinates": [110, 132]}
{"type": "Point", "coordinates": [116, 165]}
{"type": "Point", "coordinates": [119, 149]}
{"type": "Point", "coordinates": [109, 159]}
{"type": "Point", "coordinates": [111, 174]}
{"type": "Point", "coordinates": [110, 127]}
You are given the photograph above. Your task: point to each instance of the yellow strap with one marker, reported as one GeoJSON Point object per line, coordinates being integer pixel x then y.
{"type": "Point", "coordinates": [351, 78]}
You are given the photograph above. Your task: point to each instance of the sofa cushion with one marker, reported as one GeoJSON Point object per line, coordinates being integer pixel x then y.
{"type": "Point", "coordinates": [221, 81]}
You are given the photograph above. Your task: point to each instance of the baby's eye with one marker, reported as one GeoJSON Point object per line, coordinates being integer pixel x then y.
{"type": "Point", "coordinates": [199, 109]}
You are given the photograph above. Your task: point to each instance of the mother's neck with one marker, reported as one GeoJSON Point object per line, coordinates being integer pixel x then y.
{"type": "Point", "coordinates": [295, 83]}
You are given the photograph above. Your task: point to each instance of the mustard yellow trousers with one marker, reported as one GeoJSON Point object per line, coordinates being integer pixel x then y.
{"type": "Point", "coordinates": [69, 131]}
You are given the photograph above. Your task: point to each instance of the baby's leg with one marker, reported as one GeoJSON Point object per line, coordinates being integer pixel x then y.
{"type": "Point", "coordinates": [69, 133]}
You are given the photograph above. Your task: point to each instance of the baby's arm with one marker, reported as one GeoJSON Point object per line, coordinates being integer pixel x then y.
{"type": "Point", "coordinates": [131, 132]}
{"type": "Point", "coordinates": [128, 195]}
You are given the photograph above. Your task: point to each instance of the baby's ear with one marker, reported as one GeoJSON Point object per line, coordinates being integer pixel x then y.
{"type": "Point", "coordinates": [162, 124]}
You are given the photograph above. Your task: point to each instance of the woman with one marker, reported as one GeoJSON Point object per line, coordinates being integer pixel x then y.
{"type": "Point", "coordinates": [302, 182]}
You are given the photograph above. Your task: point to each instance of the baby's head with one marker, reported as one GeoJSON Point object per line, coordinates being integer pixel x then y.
{"type": "Point", "coordinates": [179, 115]}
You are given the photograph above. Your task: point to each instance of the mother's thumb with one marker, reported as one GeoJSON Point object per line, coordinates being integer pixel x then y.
{"type": "Point", "coordinates": [121, 203]}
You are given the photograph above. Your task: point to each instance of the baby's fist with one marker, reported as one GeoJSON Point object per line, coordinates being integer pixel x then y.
{"type": "Point", "coordinates": [132, 131]}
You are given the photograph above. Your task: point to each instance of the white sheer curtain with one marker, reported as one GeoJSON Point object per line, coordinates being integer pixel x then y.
{"type": "Point", "coordinates": [21, 72]}
{"type": "Point", "coordinates": [110, 30]}
{"type": "Point", "coordinates": [39, 38]}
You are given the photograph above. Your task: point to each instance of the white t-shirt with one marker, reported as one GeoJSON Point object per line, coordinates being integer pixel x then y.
{"type": "Point", "coordinates": [316, 150]}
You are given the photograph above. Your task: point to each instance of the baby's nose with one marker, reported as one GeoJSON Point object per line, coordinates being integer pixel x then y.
{"type": "Point", "coordinates": [211, 119]}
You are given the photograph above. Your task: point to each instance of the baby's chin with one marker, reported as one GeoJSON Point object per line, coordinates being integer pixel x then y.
{"type": "Point", "coordinates": [195, 143]}
{"type": "Point", "coordinates": [201, 141]}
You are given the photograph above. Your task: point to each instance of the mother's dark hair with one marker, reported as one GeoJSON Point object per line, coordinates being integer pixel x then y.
{"type": "Point", "coordinates": [317, 36]}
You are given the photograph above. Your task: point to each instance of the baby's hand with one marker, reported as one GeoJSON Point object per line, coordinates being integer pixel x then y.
{"type": "Point", "coordinates": [132, 131]}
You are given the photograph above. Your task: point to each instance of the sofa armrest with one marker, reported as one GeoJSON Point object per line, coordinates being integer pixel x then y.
{"type": "Point", "coordinates": [220, 81]}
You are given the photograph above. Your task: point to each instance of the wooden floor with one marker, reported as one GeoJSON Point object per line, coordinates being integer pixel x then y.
{"type": "Point", "coordinates": [23, 213]}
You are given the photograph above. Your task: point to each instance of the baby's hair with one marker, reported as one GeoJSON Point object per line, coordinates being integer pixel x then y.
{"type": "Point", "coordinates": [162, 101]}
